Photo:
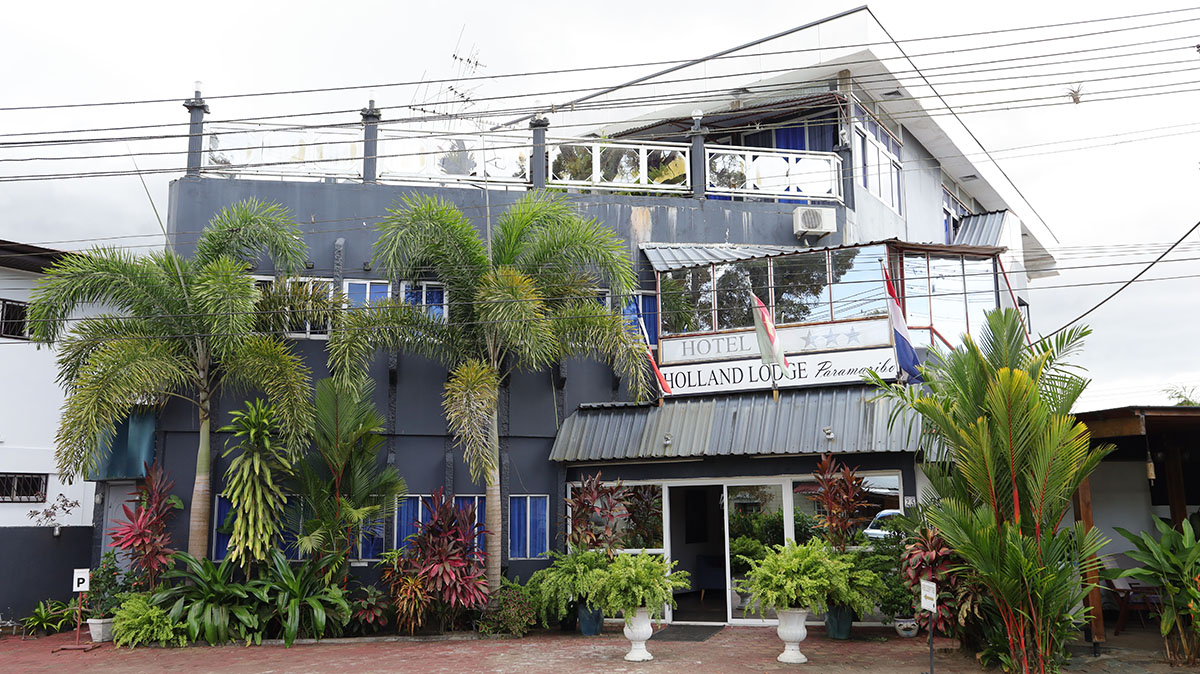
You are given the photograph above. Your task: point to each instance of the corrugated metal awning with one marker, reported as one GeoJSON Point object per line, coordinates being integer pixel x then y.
{"type": "Point", "coordinates": [983, 229]}
{"type": "Point", "coordinates": [740, 424]}
{"type": "Point", "coordinates": [671, 256]}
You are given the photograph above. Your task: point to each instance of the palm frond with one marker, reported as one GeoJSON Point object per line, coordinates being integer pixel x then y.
{"type": "Point", "coordinates": [390, 325]}
{"type": "Point", "coordinates": [586, 328]}
{"type": "Point", "coordinates": [513, 313]}
{"type": "Point", "coordinates": [116, 377]}
{"type": "Point", "coordinates": [224, 297]}
{"type": "Point", "coordinates": [246, 229]}
{"type": "Point", "coordinates": [470, 400]}
{"type": "Point", "coordinates": [267, 364]}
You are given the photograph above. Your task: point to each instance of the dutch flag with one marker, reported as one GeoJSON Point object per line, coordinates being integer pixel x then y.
{"type": "Point", "coordinates": [906, 356]}
{"type": "Point", "coordinates": [633, 319]}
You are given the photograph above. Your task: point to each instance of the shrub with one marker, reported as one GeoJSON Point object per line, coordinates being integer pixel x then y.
{"type": "Point", "coordinates": [594, 511]}
{"type": "Point", "coordinates": [211, 604]}
{"type": "Point", "coordinates": [139, 622]}
{"type": "Point", "coordinates": [446, 555]}
{"type": "Point", "coordinates": [49, 616]}
{"type": "Point", "coordinates": [510, 612]}
{"type": "Point", "coordinates": [369, 612]}
{"type": "Point", "coordinates": [107, 585]}
{"type": "Point", "coordinates": [299, 599]}
{"type": "Point", "coordinates": [568, 579]}
{"type": "Point", "coordinates": [1172, 563]}
{"type": "Point", "coordinates": [252, 481]}
{"type": "Point", "coordinates": [407, 590]}
{"type": "Point", "coordinates": [884, 559]}
{"type": "Point", "coordinates": [636, 581]}
{"type": "Point", "coordinates": [143, 535]}
{"type": "Point", "coordinates": [810, 576]}
{"type": "Point", "coordinates": [841, 494]}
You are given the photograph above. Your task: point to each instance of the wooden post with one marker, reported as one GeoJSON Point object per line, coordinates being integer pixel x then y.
{"type": "Point", "coordinates": [1083, 513]}
{"type": "Point", "coordinates": [1176, 490]}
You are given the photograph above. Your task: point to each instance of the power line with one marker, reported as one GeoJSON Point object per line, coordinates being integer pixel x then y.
{"type": "Point", "coordinates": [496, 76]}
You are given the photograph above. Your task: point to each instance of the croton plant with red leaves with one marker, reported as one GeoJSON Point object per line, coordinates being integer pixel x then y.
{"type": "Point", "coordinates": [143, 536]}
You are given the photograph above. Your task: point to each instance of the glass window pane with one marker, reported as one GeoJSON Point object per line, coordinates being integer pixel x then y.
{"type": "Point", "coordinates": [356, 292]}
{"type": "Point", "coordinates": [687, 300]}
{"type": "Point", "coordinates": [980, 279]}
{"type": "Point", "coordinates": [379, 292]}
{"type": "Point", "coordinates": [858, 289]}
{"type": "Point", "coordinates": [947, 297]}
{"type": "Point", "coordinates": [539, 516]}
{"type": "Point", "coordinates": [755, 521]}
{"type": "Point", "coordinates": [801, 289]}
{"type": "Point", "coordinates": [371, 542]}
{"type": "Point", "coordinates": [408, 513]}
{"type": "Point", "coordinates": [882, 493]}
{"type": "Point", "coordinates": [222, 535]}
{"type": "Point", "coordinates": [649, 313]}
{"type": "Point", "coordinates": [413, 294]}
{"type": "Point", "coordinates": [642, 529]}
{"type": "Point", "coordinates": [518, 527]}
{"type": "Point", "coordinates": [915, 295]}
{"type": "Point", "coordinates": [735, 284]}
{"type": "Point", "coordinates": [864, 164]}
{"type": "Point", "coordinates": [435, 300]}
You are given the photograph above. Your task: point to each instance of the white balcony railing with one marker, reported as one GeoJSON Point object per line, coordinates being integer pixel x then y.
{"type": "Point", "coordinates": [782, 174]}
{"type": "Point", "coordinates": [619, 165]}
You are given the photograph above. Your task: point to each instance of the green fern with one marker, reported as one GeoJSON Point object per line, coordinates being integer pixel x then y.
{"type": "Point", "coordinates": [636, 581]}
{"type": "Point", "coordinates": [138, 622]}
{"type": "Point", "coordinates": [810, 576]}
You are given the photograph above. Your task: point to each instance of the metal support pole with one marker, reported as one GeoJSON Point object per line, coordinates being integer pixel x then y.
{"type": "Point", "coordinates": [698, 168]}
{"type": "Point", "coordinates": [197, 108]}
{"type": "Point", "coordinates": [538, 160]}
{"type": "Point", "coordinates": [370, 116]}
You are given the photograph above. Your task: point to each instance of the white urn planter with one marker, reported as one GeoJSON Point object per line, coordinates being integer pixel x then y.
{"type": "Point", "coordinates": [100, 629]}
{"type": "Point", "coordinates": [638, 630]}
{"type": "Point", "coordinates": [792, 631]}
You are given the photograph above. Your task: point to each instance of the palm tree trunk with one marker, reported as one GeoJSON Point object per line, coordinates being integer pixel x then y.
{"type": "Point", "coordinates": [198, 518]}
{"type": "Point", "coordinates": [493, 520]}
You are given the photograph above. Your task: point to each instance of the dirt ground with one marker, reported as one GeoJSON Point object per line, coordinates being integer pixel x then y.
{"type": "Point", "coordinates": [733, 649]}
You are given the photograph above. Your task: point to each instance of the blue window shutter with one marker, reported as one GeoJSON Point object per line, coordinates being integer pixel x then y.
{"type": "Point", "coordinates": [220, 539]}
{"type": "Point", "coordinates": [539, 507]}
{"type": "Point", "coordinates": [518, 528]}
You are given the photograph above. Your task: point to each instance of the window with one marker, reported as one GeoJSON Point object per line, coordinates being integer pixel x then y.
{"type": "Point", "coordinates": [23, 487]}
{"type": "Point", "coordinates": [687, 300]}
{"type": "Point", "coordinates": [429, 294]}
{"type": "Point", "coordinates": [953, 212]}
{"type": "Point", "coordinates": [301, 323]}
{"type": "Point", "coordinates": [528, 533]}
{"type": "Point", "coordinates": [878, 164]}
{"type": "Point", "coordinates": [13, 322]}
{"type": "Point", "coordinates": [370, 541]}
{"type": "Point", "coordinates": [222, 528]}
{"type": "Point", "coordinates": [801, 288]}
{"type": "Point", "coordinates": [858, 289]}
{"type": "Point", "coordinates": [410, 512]}
{"type": "Point", "coordinates": [946, 295]}
{"type": "Point", "coordinates": [477, 501]}
{"type": "Point", "coordinates": [363, 293]}
{"type": "Point", "coordinates": [735, 284]}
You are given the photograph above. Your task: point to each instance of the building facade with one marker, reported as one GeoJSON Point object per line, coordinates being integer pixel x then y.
{"type": "Point", "coordinates": [804, 191]}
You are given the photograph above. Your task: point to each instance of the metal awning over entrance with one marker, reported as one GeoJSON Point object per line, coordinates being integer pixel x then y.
{"type": "Point", "coordinates": [810, 421]}
{"type": "Point", "coordinates": [672, 256]}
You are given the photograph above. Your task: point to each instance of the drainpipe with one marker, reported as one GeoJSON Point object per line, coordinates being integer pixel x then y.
{"type": "Point", "coordinates": [538, 168]}
{"type": "Point", "coordinates": [370, 116]}
{"type": "Point", "coordinates": [699, 177]}
{"type": "Point", "coordinates": [196, 108]}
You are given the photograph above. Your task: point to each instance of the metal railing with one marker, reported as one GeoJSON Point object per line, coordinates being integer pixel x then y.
{"type": "Point", "coordinates": [781, 174]}
{"type": "Point", "coordinates": [620, 165]}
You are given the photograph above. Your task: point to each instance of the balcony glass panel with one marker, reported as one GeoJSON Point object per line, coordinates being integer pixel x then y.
{"type": "Point", "coordinates": [666, 167]}
{"type": "Point", "coordinates": [948, 296]}
{"type": "Point", "coordinates": [572, 162]}
{"type": "Point", "coordinates": [916, 297]}
{"type": "Point", "coordinates": [979, 274]}
{"type": "Point", "coordinates": [619, 165]}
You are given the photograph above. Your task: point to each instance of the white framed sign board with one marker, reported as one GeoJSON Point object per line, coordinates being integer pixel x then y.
{"type": "Point", "coordinates": [929, 596]}
{"type": "Point", "coordinates": [81, 580]}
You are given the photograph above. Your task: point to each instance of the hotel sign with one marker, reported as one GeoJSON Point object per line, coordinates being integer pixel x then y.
{"type": "Point", "coordinates": [795, 340]}
{"type": "Point", "coordinates": [806, 369]}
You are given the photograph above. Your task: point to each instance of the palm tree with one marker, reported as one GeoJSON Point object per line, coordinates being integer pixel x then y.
{"type": "Point", "coordinates": [1007, 457]}
{"type": "Point", "coordinates": [179, 328]}
{"type": "Point", "coordinates": [524, 299]}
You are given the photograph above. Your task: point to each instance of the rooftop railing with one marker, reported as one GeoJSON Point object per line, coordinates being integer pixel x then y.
{"type": "Point", "coordinates": [511, 160]}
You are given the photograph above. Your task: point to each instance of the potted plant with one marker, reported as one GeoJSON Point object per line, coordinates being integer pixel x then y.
{"type": "Point", "coordinates": [568, 583]}
{"type": "Point", "coordinates": [798, 579]}
{"type": "Point", "coordinates": [104, 597]}
{"type": "Point", "coordinates": [637, 586]}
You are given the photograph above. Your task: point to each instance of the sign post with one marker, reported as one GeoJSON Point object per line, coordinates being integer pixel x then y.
{"type": "Point", "coordinates": [929, 603]}
{"type": "Point", "coordinates": [81, 582]}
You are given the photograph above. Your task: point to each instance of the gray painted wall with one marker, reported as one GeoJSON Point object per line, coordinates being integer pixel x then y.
{"type": "Point", "coordinates": [35, 565]}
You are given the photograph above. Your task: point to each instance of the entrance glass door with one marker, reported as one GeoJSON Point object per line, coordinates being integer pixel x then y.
{"type": "Point", "coordinates": [754, 522]}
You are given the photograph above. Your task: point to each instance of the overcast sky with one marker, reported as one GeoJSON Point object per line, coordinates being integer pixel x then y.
{"type": "Point", "coordinates": [1135, 181]}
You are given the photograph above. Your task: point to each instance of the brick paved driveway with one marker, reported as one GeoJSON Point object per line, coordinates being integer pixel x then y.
{"type": "Point", "coordinates": [734, 649]}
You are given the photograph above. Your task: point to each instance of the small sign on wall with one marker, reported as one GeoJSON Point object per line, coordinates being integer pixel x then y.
{"type": "Point", "coordinates": [910, 502]}
{"type": "Point", "coordinates": [81, 580]}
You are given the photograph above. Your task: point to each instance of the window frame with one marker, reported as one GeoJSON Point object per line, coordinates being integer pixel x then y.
{"type": "Point", "coordinates": [30, 496]}
{"type": "Point", "coordinates": [308, 333]}
{"type": "Point", "coordinates": [5, 305]}
{"type": "Point", "coordinates": [422, 517]}
{"type": "Point", "coordinates": [425, 286]}
{"type": "Point", "coordinates": [869, 128]}
{"type": "Point", "coordinates": [528, 526]}
{"type": "Point", "coordinates": [370, 282]}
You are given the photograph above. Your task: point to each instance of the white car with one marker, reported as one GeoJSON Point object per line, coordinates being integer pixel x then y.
{"type": "Point", "coordinates": [875, 530]}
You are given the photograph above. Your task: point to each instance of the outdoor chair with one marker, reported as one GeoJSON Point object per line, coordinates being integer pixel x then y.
{"type": "Point", "coordinates": [1131, 596]}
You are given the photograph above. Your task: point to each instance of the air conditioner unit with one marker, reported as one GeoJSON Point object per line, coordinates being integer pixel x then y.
{"type": "Point", "coordinates": [808, 220]}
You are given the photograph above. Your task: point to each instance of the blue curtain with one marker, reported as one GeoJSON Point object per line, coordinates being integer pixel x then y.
{"type": "Point", "coordinates": [518, 527]}
{"type": "Point", "coordinates": [791, 138]}
{"type": "Point", "coordinates": [370, 544]}
{"type": "Point", "coordinates": [822, 132]}
{"type": "Point", "coordinates": [650, 317]}
{"type": "Point", "coordinates": [435, 301]}
{"type": "Point", "coordinates": [478, 502]}
{"type": "Point", "coordinates": [221, 540]}
{"type": "Point", "coordinates": [539, 511]}
{"type": "Point", "coordinates": [408, 513]}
